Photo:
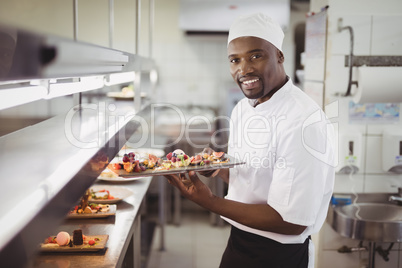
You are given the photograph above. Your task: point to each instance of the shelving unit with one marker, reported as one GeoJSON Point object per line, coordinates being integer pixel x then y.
{"type": "Point", "coordinates": [45, 168]}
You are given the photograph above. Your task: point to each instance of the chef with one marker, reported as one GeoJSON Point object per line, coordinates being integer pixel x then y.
{"type": "Point", "coordinates": [280, 197]}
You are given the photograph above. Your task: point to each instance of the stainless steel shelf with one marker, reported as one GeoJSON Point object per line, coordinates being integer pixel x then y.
{"type": "Point", "coordinates": [45, 169]}
{"type": "Point", "coordinates": [39, 56]}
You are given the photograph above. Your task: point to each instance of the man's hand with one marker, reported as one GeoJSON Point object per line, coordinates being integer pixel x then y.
{"type": "Point", "coordinates": [258, 216]}
{"type": "Point", "coordinates": [209, 173]}
{"type": "Point", "coordinates": [192, 188]}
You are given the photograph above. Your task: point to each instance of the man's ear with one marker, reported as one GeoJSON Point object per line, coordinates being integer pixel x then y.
{"type": "Point", "coordinates": [281, 57]}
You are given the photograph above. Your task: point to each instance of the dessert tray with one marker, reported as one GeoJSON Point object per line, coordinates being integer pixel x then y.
{"type": "Point", "coordinates": [176, 170]}
{"type": "Point", "coordinates": [142, 151]}
{"type": "Point", "coordinates": [118, 193]}
{"type": "Point", "coordinates": [94, 215]}
{"type": "Point", "coordinates": [119, 179]}
{"type": "Point", "coordinates": [99, 245]}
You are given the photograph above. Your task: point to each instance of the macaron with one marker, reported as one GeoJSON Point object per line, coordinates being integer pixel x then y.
{"type": "Point", "coordinates": [63, 238]}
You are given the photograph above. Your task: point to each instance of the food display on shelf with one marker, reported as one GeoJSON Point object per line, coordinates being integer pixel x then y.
{"type": "Point", "coordinates": [102, 194]}
{"type": "Point", "coordinates": [77, 242]}
{"type": "Point", "coordinates": [126, 92]}
{"type": "Point", "coordinates": [91, 210]}
{"type": "Point", "coordinates": [108, 194]}
{"type": "Point", "coordinates": [108, 174]}
{"type": "Point", "coordinates": [175, 162]}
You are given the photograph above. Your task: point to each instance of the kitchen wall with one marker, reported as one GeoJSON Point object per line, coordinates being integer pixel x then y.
{"type": "Point", "coordinates": [193, 69]}
{"type": "Point", "coordinates": [371, 177]}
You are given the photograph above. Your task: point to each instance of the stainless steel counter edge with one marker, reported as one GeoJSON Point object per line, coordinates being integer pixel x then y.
{"type": "Point", "coordinates": [45, 169]}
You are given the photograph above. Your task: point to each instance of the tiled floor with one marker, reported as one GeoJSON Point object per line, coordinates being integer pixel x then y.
{"type": "Point", "coordinates": [193, 244]}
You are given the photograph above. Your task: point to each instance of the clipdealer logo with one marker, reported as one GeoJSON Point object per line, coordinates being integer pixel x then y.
{"type": "Point", "coordinates": [105, 123]}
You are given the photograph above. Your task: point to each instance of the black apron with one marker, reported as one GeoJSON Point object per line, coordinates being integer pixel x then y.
{"type": "Point", "coordinates": [246, 249]}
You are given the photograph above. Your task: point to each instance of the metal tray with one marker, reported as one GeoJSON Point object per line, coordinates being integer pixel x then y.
{"type": "Point", "coordinates": [111, 212]}
{"type": "Point", "coordinates": [151, 172]}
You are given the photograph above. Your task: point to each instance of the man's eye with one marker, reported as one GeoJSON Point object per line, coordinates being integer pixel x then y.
{"type": "Point", "coordinates": [256, 56]}
{"type": "Point", "coordinates": [234, 60]}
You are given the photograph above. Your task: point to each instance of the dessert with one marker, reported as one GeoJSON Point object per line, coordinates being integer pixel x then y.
{"type": "Point", "coordinates": [63, 238]}
{"type": "Point", "coordinates": [89, 208]}
{"type": "Point", "coordinates": [64, 241]}
{"type": "Point", "coordinates": [176, 159]}
{"type": "Point", "coordinates": [131, 163]}
{"type": "Point", "coordinates": [77, 237]}
{"type": "Point", "coordinates": [100, 195]}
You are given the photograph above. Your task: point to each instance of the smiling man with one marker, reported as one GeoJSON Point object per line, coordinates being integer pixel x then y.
{"type": "Point", "coordinates": [281, 195]}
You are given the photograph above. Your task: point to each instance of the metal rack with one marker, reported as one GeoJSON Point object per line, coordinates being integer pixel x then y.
{"type": "Point", "coordinates": [45, 168]}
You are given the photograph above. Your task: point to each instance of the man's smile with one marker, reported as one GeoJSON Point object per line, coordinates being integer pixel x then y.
{"type": "Point", "coordinates": [249, 83]}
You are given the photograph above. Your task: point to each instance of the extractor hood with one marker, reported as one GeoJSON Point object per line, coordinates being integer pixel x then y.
{"type": "Point", "coordinates": [206, 16]}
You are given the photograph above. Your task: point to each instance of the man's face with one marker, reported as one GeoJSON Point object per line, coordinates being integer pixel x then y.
{"type": "Point", "coordinates": [254, 66]}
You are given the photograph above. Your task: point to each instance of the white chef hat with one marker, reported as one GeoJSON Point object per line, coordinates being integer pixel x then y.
{"type": "Point", "coordinates": [257, 25]}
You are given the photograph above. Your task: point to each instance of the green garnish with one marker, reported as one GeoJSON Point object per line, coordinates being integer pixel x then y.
{"type": "Point", "coordinates": [181, 158]}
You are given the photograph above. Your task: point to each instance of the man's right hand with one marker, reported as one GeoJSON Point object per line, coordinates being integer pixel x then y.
{"type": "Point", "coordinates": [209, 173]}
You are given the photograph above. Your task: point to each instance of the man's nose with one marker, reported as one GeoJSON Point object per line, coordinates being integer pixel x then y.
{"type": "Point", "coordinates": [245, 68]}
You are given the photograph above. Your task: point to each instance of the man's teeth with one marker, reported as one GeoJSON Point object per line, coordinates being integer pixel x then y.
{"type": "Point", "coordinates": [250, 81]}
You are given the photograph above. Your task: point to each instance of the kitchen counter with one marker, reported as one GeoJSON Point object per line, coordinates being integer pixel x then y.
{"type": "Point", "coordinates": [124, 244]}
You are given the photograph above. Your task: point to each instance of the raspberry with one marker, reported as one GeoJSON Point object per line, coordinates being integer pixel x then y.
{"type": "Point", "coordinates": [169, 156]}
{"type": "Point", "coordinates": [174, 159]}
{"type": "Point", "coordinates": [185, 157]}
{"type": "Point", "coordinates": [126, 159]}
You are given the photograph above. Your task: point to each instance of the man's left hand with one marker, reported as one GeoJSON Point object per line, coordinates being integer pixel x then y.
{"type": "Point", "coordinates": [192, 188]}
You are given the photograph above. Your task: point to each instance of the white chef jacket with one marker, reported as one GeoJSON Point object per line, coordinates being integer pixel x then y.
{"type": "Point", "coordinates": [288, 146]}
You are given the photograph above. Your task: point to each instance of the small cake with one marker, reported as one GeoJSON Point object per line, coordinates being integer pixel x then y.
{"type": "Point", "coordinates": [63, 238]}
{"type": "Point", "coordinates": [77, 237]}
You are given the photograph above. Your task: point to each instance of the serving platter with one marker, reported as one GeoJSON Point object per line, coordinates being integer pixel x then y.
{"type": "Point", "coordinates": [111, 212]}
{"type": "Point", "coordinates": [119, 179]}
{"type": "Point", "coordinates": [177, 170]}
{"type": "Point", "coordinates": [118, 192]}
{"type": "Point", "coordinates": [100, 245]}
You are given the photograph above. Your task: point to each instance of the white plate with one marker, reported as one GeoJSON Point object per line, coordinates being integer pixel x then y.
{"type": "Point", "coordinates": [119, 193]}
